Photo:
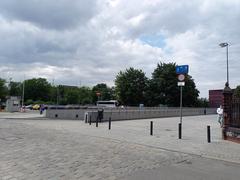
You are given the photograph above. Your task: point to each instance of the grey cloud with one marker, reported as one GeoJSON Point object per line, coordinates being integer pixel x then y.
{"type": "Point", "coordinates": [164, 16]}
{"type": "Point", "coordinates": [93, 44]}
{"type": "Point", "coordinates": [53, 14]}
{"type": "Point", "coordinates": [176, 17]}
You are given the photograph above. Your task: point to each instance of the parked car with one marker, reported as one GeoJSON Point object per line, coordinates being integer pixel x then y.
{"type": "Point", "coordinates": [36, 107]}
{"type": "Point", "coordinates": [30, 106]}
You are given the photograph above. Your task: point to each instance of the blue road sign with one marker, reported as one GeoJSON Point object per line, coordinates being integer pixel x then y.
{"type": "Point", "coordinates": [183, 69]}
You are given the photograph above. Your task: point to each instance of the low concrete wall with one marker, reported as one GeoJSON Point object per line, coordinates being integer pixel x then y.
{"type": "Point", "coordinates": [125, 114]}
{"type": "Point", "coordinates": [77, 114]}
{"type": "Point", "coordinates": [145, 114]}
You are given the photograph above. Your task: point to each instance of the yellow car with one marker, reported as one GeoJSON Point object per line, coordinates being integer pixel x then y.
{"type": "Point", "coordinates": [36, 107]}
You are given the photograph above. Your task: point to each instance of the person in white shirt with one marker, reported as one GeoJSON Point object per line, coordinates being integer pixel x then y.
{"type": "Point", "coordinates": [220, 115]}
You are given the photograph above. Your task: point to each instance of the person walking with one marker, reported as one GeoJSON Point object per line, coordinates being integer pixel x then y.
{"type": "Point", "coordinates": [41, 108]}
{"type": "Point", "coordinates": [220, 115]}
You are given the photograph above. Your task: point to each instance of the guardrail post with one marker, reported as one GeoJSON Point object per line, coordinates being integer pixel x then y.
{"type": "Point", "coordinates": [86, 116]}
{"type": "Point", "coordinates": [180, 131]}
{"type": "Point", "coordinates": [151, 128]}
{"type": "Point", "coordinates": [208, 134]}
{"type": "Point", "coordinates": [109, 123]}
{"type": "Point", "coordinates": [97, 122]}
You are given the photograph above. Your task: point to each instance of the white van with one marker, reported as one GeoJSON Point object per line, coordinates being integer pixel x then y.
{"type": "Point", "coordinates": [111, 103]}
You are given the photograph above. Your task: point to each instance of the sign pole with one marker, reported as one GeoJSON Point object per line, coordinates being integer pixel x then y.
{"type": "Point", "coordinates": [180, 124]}
{"type": "Point", "coordinates": [181, 71]}
{"type": "Point", "coordinates": [181, 104]}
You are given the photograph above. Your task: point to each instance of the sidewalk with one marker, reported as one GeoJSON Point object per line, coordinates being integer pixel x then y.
{"type": "Point", "coordinates": [21, 115]}
{"type": "Point", "coordinates": [165, 134]}
{"type": "Point", "coordinates": [40, 148]}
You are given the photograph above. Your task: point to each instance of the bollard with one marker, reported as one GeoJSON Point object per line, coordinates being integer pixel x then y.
{"type": "Point", "coordinates": [151, 128]}
{"type": "Point", "coordinates": [90, 120]}
{"type": "Point", "coordinates": [180, 131]}
{"type": "Point", "coordinates": [208, 134]}
{"type": "Point", "coordinates": [97, 122]}
{"type": "Point", "coordinates": [86, 118]}
{"type": "Point", "coordinates": [109, 123]}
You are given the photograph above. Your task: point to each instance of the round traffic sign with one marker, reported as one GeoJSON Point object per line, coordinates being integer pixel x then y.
{"type": "Point", "coordinates": [98, 93]}
{"type": "Point", "coordinates": [181, 77]}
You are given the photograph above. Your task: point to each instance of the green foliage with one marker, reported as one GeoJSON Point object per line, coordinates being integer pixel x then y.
{"type": "Point", "coordinates": [203, 102]}
{"type": "Point", "coordinates": [29, 101]}
{"type": "Point", "coordinates": [15, 89]}
{"type": "Point", "coordinates": [39, 102]}
{"type": "Point", "coordinates": [163, 86]}
{"type": "Point", "coordinates": [130, 86]}
{"type": "Point", "coordinates": [190, 93]}
{"type": "Point", "coordinates": [53, 95]}
{"type": "Point", "coordinates": [163, 89]}
{"type": "Point", "coordinates": [72, 95]}
{"type": "Point", "coordinates": [106, 93]}
{"type": "Point", "coordinates": [37, 89]}
{"type": "Point", "coordinates": [85, 95]}
{"type": "Point", "coordinates": [237, 92]}
{"type": "Point", "coordinates": [3, 89]}
{"type": "Point", "coordinates": [66, 95]}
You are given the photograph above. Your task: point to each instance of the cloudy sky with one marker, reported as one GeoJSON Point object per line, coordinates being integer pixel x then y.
{"type": "Point", "coordinates": [85, 42]}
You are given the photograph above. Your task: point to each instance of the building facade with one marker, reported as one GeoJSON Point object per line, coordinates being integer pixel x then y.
{"type": "Point", "coordinates": [215, 98]}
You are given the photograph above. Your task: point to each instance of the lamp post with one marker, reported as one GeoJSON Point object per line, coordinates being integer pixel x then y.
{"type": "Point", "coordinates": [23, 91]}
{"type": "Point", "coordinates": [226, 45]}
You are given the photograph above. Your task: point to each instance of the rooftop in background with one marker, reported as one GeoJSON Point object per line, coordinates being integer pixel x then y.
{"type": "Point", "coordinates": [67, 86]}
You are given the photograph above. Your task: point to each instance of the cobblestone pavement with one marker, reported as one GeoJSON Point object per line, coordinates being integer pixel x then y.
{"type": "Point", "coordinates": [22, 115]}
{"type": "Point", "coordinates": [57, 149]}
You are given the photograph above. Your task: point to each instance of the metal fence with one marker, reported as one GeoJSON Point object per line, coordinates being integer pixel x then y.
{"type": "Point", "coordinates": [235, 112]}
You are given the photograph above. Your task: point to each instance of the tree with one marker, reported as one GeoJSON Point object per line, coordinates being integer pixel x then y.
{"type": "Point", "coordinates": [53, 95]}
{"type": "Point", "coordinates": [66, 94]}
{"type": "Point", "coordinates": [130, 86]}
{"type": "Point", "coordinates": [203, 102]}
{"type": "Point", "coordinates": [190, 93]}
{"type": "Point", "coordinates": [3, 90]}
{"type": "Point", "coordinates": [106, 93]}
{"type": "Point", "coordinates": [85, 95]}
{"type": "Point", "coordinates": [15, 88]}
{"type": "Point", "coordinates": [37, 89]}
{"type": "Point", "coordinates": [237, 92]}
{"type": "Point", "coordinates": [72, 96]}
{"type": "Point", "coordinates": [163, 89]}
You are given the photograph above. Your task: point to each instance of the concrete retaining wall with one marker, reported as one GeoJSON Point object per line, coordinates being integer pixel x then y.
{"type": "Point", "coordinates": [77, 114]}
{"type": "Point", "coordinates": [125, 114]}
{"type": "Point", "coordinates": [144, 114]}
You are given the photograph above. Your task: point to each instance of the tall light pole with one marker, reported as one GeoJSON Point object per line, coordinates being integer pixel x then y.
{"type": "Point", "coordinates": [23, 91]}
{"type": "Point", "coordinates": [226, 45]}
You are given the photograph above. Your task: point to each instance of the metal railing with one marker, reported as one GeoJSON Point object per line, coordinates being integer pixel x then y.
{"type": "Point", "coordinates": [235, 112]}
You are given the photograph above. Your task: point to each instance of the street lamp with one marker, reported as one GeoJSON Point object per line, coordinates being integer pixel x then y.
{"type": "Point", "coordinates": [23, 91]}
{"type": "Point", "coordinates": [226, 45]}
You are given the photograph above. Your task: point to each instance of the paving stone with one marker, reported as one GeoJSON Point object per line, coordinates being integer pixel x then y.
{"type": "Point", "coordinates": [59, 149]}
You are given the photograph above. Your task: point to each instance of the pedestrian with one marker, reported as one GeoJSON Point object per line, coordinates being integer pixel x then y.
{"type": "Point", "coordinates": [100, 114]}
{"type": "Point", "coordinates": [41, 108]}
{"type": "Point", "coordinates": [220, 115]}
